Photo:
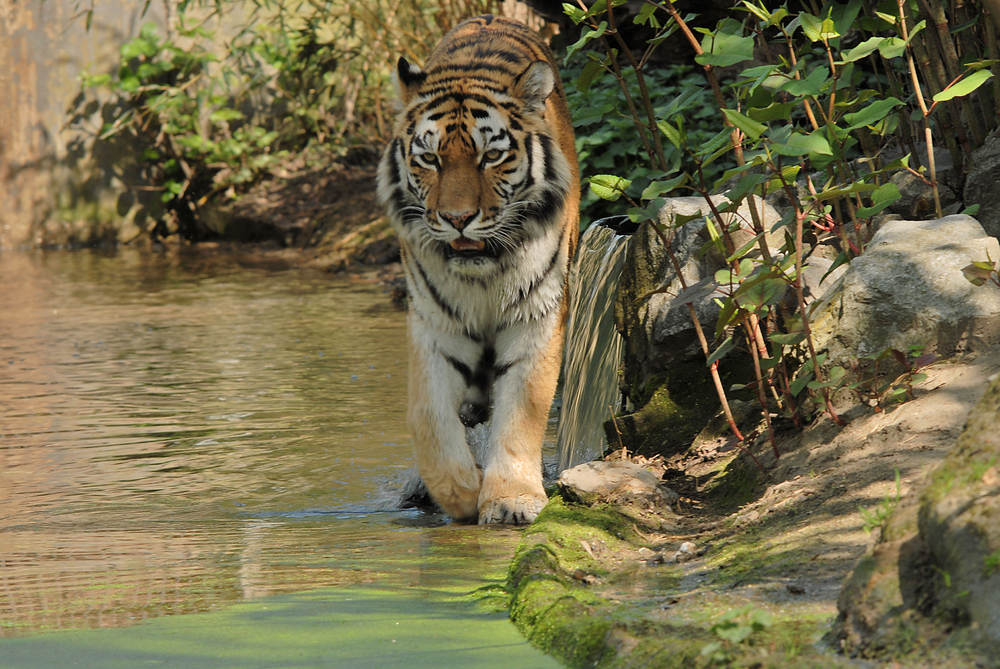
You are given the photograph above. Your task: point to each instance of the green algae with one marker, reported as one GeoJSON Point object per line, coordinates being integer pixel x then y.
{"type": "Point", "coordinates": [339, 627]}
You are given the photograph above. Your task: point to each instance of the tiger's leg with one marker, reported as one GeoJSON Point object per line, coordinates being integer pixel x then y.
{"type": "Point", "coordinates": [528, 357]}
{"type": "Point", "coordinates": [436, 392]}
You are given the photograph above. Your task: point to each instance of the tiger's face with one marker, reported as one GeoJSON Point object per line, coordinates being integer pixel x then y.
{"type": "Point", "coordinates": [474, 173]}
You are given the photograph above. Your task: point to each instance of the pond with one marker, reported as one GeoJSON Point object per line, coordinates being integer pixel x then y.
{"type": "Point", "coordinates": [218, 434]}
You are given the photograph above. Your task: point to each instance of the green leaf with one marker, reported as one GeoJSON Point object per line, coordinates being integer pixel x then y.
{"type": "Point", "coordinates": [745, 249]}
{"type": "Point", "coordinates": [882, 197]}
{"type": "Point", "coordinates": [650, 212]}
{"type": "Point", "coordinates": [726, 315]}
{"type": "Point", "coordinates": [745, 186]}
{"type": "Point", "coordinates": [787, 339]}
{"type": "Point", "coordinates": [750, 127]}
{"type": "Point", "coordinates": [608, 186]}
{"type": "Point", "coordinates": [672, 133]}
{"type": "Point", "coordinates": [718, 354]}
{"type": "Point", "coordinates": [589, 34]}
{"type": "Point", "coordinates": [725, 46]}
{"type": "Point", "coordinates": [817, 29]}
{"type": "Point", "coordinates": [573, 12]}
{"type": "Point", "coordinates": [871, 114]}
{"type": "Point", "coordinates": [776, 111]}
{"type": "Point", "coordinates": [591, 70]}
{"type": "Point", "coordinates": [892, 47]}
{"type": "Point", "coordinates": [811, 86]}
{"type": "Point", "coordinates": [862, 50]}
{"type": "Point", "coordinates": [96, 80]}
{"type": "Point", "coordinates": [658, 188]}
{"type": "Point", "coordinates": [841, 259]}
{"type": "Point", "coordinates": [798, 144]}
{"type": "Point", "coordinates": [801, 380]}
{"type": "Point", "coordinates": [645, 12]}
{"type": "Point", "coordinates": [979, 273]}
{"type": "Point", "coordinates": [964, 86]}
{"type": "Point", "coordinates": [225, 114]}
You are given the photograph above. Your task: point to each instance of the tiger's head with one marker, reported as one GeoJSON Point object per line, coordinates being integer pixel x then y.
{"type": "Point", "coordinates": [474, 171]}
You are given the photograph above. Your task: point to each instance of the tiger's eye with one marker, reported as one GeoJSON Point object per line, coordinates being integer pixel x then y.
{"type": "Point", "coordinates": [492, 156]}
{"type": "Point", "coordinates": [429, 160]}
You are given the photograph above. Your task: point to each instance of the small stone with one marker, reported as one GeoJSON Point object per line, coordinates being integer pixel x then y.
{"type": "Point", "coordinates": [688, 547]}
{"type": "Point", "coordinates": [615, 481]}
{"type": "Point", "coordinates": [646, 553]}
{"type": "Point", "coordinates": [795, 588]}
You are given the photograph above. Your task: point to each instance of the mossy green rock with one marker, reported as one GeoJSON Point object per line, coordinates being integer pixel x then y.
{"type": "Point", "coordinates": [933, 579]}
{"type": "Point", "coordinates": [960, 523]}
{"type": "Point", "coordinates": [674, 413]}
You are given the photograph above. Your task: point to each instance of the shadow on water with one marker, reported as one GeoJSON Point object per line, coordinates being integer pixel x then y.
{"type": "Point", "coordinates": [180, 433]}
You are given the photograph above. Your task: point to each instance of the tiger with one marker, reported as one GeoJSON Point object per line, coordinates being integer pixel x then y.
{"type": "Point", "coordinates": [480, 182]}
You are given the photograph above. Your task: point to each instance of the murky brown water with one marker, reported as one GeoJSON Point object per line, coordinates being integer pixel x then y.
{"type": "Point", "coordinates": [182, 431]}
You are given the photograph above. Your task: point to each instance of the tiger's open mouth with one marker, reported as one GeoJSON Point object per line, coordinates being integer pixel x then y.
{"type": "Point", "coordinates": [463, 247]}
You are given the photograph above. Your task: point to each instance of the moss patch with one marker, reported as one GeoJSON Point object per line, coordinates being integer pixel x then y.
{"type": "Point", "coordinates": [673, 411]}
{"type": "Point", "coordinates": [563, 601]}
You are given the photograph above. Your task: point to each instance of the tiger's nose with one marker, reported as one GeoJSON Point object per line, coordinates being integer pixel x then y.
{"type": "Point", "coordinates": [457, 221]}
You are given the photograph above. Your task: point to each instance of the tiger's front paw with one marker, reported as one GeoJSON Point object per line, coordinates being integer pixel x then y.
{"type": "Point", "coordinates": [519, 510]}
{"type": "Point", "coordinates": [457, 493]}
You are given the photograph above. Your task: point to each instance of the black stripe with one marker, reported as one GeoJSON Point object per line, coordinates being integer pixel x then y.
{"type": "Point", "coordinates": [550, 168]}
{"type": "Point", "coordinates": [483, 376]}
{"type": "Point", "coordinates": [529, 151]}
{"type": "Point", "coordinates": [469, 67]}
{"type": "Point", "coordinates": [436, 296]}
{"type": "Point", "coordinates": [550, 202]}
{"type": "Point", "coordinates": [525, 292]}
{"type": "Point", "coordinates": [460, 98]}
{"type": "Point", "coordinates": [395, 175]}
{"type": "Point", "coordinates": [480, 378]}
{"type": "Point", "coordinates": [461, 368]}
{"type": "Point", "coordinates": [502, 54]}
{"type": "Point", "coordinates": [500, 370]}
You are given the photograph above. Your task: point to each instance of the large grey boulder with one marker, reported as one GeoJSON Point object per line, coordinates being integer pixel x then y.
{"type": "Point", "coordinates": [935, 572]}
{"type": "Point", "coordinates": [982, 185]}
{"type": "Point", "coordinates": [907, 290]}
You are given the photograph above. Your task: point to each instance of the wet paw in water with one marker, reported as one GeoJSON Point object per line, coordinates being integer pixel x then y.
{"type": "Point", "coordinates": [520, 510]}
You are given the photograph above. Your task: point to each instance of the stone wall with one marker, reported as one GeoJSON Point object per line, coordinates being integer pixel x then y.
{"type": "Point", "coordinates": [44, 46]}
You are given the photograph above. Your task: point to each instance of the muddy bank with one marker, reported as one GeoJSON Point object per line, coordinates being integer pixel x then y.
{"type": "Point", "coordinates": [599, 585]}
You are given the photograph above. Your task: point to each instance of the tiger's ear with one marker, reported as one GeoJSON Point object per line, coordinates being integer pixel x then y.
{"type": "Point", "coordinates": [408, 79]}
{"type": "Point", "coordinates": [535, 84]}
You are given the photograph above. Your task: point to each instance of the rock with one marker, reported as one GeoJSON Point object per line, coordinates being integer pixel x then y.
{"type": "Point", "coordinates": [917, 196]}
{"type": "Point", "coordinates": [616, 482]}
{"type": "Point", "coordinates": [666, 385]}
{"type": "Point", "coordinates": [907, 290]}
{"type": "Point", "coordinates": [817, 276]}
{"type": "Point", "coordinates": [686, 551]}
{"type": "Point", "coordinates": [935, 572]}
{"type": "Point", "coordinates": [982, 186]}
{"type": "Point", "coordinates": [959, 522]}
{"type": "Point", "coordinates": [656, 326]}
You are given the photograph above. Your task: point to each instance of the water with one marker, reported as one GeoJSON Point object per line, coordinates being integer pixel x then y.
{"type": "Point", "coordinates": [182, 432]}
{"type": "Point", "coordinates": [593, 353]}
